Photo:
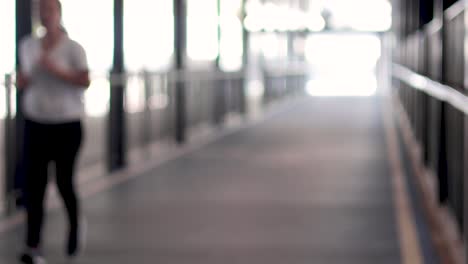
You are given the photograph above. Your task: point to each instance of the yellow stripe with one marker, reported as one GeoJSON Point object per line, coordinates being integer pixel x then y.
{"type": "Point", "coordinates": [409, 244]}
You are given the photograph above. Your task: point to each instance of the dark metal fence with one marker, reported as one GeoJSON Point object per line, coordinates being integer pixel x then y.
{"type": "Point", "coordinates": [430, 82]}
{"type": "Point", "coordinates": [150, 105]}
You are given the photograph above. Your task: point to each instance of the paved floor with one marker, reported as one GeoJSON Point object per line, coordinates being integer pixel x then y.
{"type": "Point", "coordinates": [308, 185]}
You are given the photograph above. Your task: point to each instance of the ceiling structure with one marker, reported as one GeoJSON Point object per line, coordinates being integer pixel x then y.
{"type": "Point", "coordinates": [318, 15]}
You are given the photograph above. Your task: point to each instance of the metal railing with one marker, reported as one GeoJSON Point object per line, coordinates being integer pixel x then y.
{"type": "Point", "coordinates": [430, 78]}
{"type": "Point", "coordinates": [441, 92]}
{"type": "Point", "coordinates": [150, 105]}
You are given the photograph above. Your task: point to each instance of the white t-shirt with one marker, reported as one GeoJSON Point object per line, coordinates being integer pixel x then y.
{"type": "Point", "coordinates": [49, 99]}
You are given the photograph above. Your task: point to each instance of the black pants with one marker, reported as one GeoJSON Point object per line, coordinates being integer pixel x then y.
{"type": "Point", "coordinates": [45, 143]}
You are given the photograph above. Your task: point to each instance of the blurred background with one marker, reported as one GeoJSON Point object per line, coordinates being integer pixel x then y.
{"type": "Point", "coordinates": [165, 72]}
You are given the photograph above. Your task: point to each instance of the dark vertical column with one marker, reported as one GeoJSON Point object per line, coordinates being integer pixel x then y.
{"type": "Point", "coordinates": [415, 15]}
{"type": "Point", "coordinates": [406, 15]}
{"type": "Point", "coordinates": [23, 22]}
{"type": "Point", "coordinates": [116, 129]}
{"type": "Point", "coordinates": [245, 36]}
{"type": "Point", "coordinates": [436, 70]}
{"type": "Point", "coordinates": [446, 49]}
{"type": "Point", "coordinates": [180, 44]}
{"type": "Point", "coordinates": [465, 185]}
{"type": "Point", "coordinates": [245, 59]}
{"type": "Point", "coordinates": [426, 15]}
{"type": "Point", "coordinates": [407, 18]}
{"type": "Point", "coordinates": [219, 84]}
{"type": "Point", "coordinates": [465, 152]}
{"type": "Point", "coordinates": [443, 173]}
{"type": "Point", "coordinates": [418, 65]}
{"type": "Point", "coordinates": [218, 58]}
{"type": "Point", "coordinates": [410, 17]}
{"type": "Point", "coordinates": [14, 135]}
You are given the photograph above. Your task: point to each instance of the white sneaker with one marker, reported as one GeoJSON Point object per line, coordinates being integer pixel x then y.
{"type": "Point", "coordinates": [32, 256]}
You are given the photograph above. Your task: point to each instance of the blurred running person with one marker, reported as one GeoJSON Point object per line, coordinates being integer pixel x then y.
{"type": "Point", "coordinates": [54, 75]}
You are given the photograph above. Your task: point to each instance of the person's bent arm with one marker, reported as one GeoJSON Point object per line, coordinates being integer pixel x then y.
{"type": "Point", "coordinates": [79, 78]}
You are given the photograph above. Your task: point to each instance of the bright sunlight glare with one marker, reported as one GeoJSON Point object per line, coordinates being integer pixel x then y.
{"type": "Point", "coordinates": [342, 64]}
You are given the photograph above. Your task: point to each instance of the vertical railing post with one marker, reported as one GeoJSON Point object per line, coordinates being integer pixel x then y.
{"type": "Point", "coordinates": [24, 27]}
{"type": "Point", "coordinates": [10, 151]}
{"type": "Point", "coordinates": [219, 98]}
{"type": "Point", "coordinates": [465, 189]}
{"type": "Point", "coordinates": [146, 124]}
{"type": "Point", "coordinates": [116, 134]}
{"type": "Point", "coordinates": [219, 82]}
{"type": "Point", "coordinates": [245, 61]}
{"type": "Point", "coordinates": [180, 43]}
{"type": "Point", "coordinates": [442, 168]}
{"type": "Point", "coordinates": [243, 100]}
{"type": "Point", "coordinates": [465, 144]}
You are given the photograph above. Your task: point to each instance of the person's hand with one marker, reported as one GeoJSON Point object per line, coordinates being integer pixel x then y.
{"type": "Point", "coordinates": [80, 78]}
{"type": "Point", "coordinates": [21, 81]}
{"type": "Point", "coordinates": [47, 64]}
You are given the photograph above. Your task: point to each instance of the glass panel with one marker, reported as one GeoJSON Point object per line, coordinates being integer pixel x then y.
{"type": "Point", "coordinates": [161, 104]}
{"type": "Point", "coordinates": [202, 30]}
{"type": "Point", "coordinates": [134, 107]}
{"type": "Point", "coordinates": [377, 16]}
{"type": "Point", "coordinates": [231, 35]}
{"type": "Point", "coordinates": [150, 120]}
{"type": "Point", "coordinates": [7, 50]}
{"type": "Point", "coordinates": [149, 34]}
{"type": "Point", "coordinates": [351, 56]}
{"type": "Point", "coordinates": [97, 108]}
{"type": "Point", "coordinates": [90, 23]}
{"type": "Point", "coordinates": [7, 33]}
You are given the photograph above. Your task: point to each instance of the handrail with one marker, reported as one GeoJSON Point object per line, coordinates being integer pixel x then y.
{"type": "Point", "coordinates": [290, 71]}
{"type": "Point", "coordinates": [179, 76]}
{"type": "Point", "coordinates": [455, 9]}
{"type": "Point", "coordinates": [185, 75]}
{"type": "Point", "coordinates": [437, 90]}
{"type": "Point", "coordinates": [172, 76]}
{"type": "Point", "coordinates": [434, 26]}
